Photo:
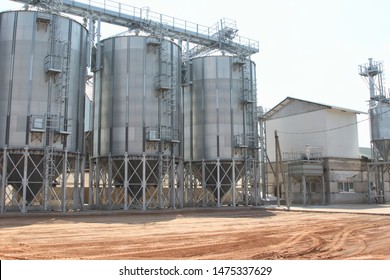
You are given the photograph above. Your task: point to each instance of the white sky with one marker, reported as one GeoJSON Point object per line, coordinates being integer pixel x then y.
{"type": "Point", "coordinates": [308, 49]}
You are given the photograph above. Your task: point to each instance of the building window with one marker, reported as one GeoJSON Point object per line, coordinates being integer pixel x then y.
{"type": "Point", "coordinates": [345, 187]}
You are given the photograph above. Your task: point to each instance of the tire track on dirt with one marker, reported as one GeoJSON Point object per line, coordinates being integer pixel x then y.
{"type": "Point", "coordinates": [296, 245]}
{"type": "Point", "coordinates": [338, 243]}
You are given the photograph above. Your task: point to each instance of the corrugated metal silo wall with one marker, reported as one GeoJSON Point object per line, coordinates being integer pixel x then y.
{"type": "Point", "coordinates": [380, 129]}
{"type": "Point", "coordinates": [214, 112]}
{"type": "Point", "coordinates": [24, 86]}
{"type": "Point", "coordinates": [32, 93]}
{"type": "Point", "coordinates": [127, 102]}
{"type": "Point", "coordinates": [219, 109]}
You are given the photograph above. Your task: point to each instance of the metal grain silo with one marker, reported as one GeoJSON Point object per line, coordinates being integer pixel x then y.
{"type": "Point", "coordinates": [221, 124]}
{"type": "Point", "coordinates": [136, 121]}
{"type": "Point", "coordinates": [42, 84]}
{"type": "Point", "coordinates": [380, 129]}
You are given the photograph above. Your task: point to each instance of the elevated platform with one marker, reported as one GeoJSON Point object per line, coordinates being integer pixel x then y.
{"type": "Point", "coordinates": [120, 14]}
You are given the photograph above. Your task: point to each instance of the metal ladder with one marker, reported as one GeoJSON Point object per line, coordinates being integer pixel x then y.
{"type": "Point", "coordinates": [167, 87]}
{"type": "Point", "coordinates": [248, 93]}
{"type": "Point", "coordinates": [63, 84]}
{"type": "Point", "coordinates": [50, 164]}
{"type": "Point", "coordinates": [165, 165]}
{"type": "Point", "coordinates": [56, 73]}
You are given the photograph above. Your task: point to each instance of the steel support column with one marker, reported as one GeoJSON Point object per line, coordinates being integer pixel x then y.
{"type": "Point", "coordinates": [91, 176]}
{"type": "Point", "coordinates": [143, 184]}
{"type": "Point", "coordinates": [4, 179]}
{"type": "Point", "coordinates": [82, 193]}
{"type": "Point", "coordinates": [76, 183]}
{"type": "Point", "coordinates": [180, 183]}
{"type": "Point", "coordinates": [172, 184]}
{"type": "Point", "coordinates": [63, 183]}
{"type": "Point", "coordinates": [126, 182]}
{"type": "Point", "coordinates": [233, 182]}
{"type": "Point", "coordinates": [97, 183]}
{"type": "Point", "coordinates": [25, 179]}
{"type": "Point", "coordinates": [204, 191]}
{"type": "Point", "coordinates": [160, 195]}
{"type": "Point", "coordinates": [218, 183]}
{"type": "Point", "coordinates": [109, 201]}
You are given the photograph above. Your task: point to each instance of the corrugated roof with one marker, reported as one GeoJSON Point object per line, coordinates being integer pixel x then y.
{"type": "Point", "coordinates": [320, 106]}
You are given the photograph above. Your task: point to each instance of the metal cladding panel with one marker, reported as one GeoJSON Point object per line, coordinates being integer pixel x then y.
{"type": "Point", "coordinates": [307, 169]}
{"type": "Point", "coordinates": [217, 111]}
{"type": "Point", "coordinates": [380, 129]}
{"type": "Point", "coordinates": [24, 85]}
{"type": "Point", "coordinates": [126, 99]}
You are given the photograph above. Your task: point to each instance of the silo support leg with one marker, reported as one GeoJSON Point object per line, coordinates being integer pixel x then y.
{"type": "Point", "coordinates": [25, 180]}
{"type": "Point", "coordinates": [181, 183]}
{"type": "Point", "coordinates": [126, 183]}
{"type": "Point", "coordinates": [92, 169]}
{"type": "Point", "coordinates": [4, 179]}
{"type": "Point", "coordinates": [82, 184]}
{"type": "Point", "coordinates": [97, 184]}
{"type": "Point", "coordinates": [103, 193]}
{"type": "Point", "coordinates": [64, 168]}
{"type": "Point", "coordinates": [143, 185]}
{"type": "Point", "coordinates": [203, 184]}
{"type": "Point", "coordinates": [160, 195]}
{"type": "Point", "coordinates": [172, 184]}
{"type": "Point", "coordinates": [76, 183]}
{"type": "Point", "coordinates": [218, 183]}
{"type": "Point", "coordinates": [191, 187]}
{"type": "Point", "coordinates": [109, 183]}
{"type": "Point", "coordinates": [234, 184]}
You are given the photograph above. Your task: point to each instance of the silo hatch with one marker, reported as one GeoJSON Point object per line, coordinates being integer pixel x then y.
{"type": "Point", "coordinates": [38, 124]}
{"type": "Point", "coordinates": [43, 20]}
{"type": "Point", "coordinates": [151, 135]}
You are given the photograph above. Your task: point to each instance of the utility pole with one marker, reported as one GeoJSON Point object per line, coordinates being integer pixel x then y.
{"type": "Point", "coordinates": [279, 167]}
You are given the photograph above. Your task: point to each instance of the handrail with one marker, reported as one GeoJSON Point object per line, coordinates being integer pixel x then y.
{"type": "Point", "coordinates": [123, 14]}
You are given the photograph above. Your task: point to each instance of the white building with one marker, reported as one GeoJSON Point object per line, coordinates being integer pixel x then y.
{"type": "Point", "coordinates": [320, 153]}
{"type": "Point", "coordinates": [329, 130]}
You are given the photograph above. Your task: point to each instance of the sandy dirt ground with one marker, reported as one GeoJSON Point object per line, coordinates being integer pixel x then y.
{"type": "Point", "coordinates": [244, 233]}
